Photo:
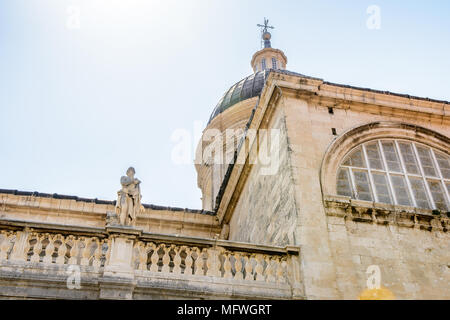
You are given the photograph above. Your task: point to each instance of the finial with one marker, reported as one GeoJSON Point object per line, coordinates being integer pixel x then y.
{"type": "Point", "coordinates": [265, 35]}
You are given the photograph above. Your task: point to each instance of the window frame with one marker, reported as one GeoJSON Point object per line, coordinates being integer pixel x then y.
{"type": "Point", "coordinates": [404, 174]}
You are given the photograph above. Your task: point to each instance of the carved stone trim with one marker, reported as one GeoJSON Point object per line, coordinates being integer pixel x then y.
{"type": "Point", "coordinates": [385, 214]}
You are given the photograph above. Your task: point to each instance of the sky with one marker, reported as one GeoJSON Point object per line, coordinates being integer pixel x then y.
{"type": "Point", "coordinates": [89, 88]}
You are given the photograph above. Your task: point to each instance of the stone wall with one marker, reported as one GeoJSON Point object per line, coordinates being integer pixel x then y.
{"type": "Point", "coordinates": [414, 263]}
{"type": "Point", "coordinates": [334, 255]}
{"type": "Point", "coordinates": [266, 208]}
{"type": "Point", "coordinates": [412, 250]}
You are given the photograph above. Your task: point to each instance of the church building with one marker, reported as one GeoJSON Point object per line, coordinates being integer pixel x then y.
{"type": "Point", "coordinates": [310, 190]}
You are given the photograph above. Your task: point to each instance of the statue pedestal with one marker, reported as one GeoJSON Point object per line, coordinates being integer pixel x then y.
{"type": "Point", "coordinates": [118, 276]}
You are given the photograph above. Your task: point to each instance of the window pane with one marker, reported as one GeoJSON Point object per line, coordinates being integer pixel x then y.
{"type": "Point", "coordinates": [401, 192]}
{"type": "Point", "coordinates": [362, 185]}
{"type": "Point", "coordinates": [409, 158]}
{"type": "Point", "coordinates": [425, 160]}
{"type": "Point", "coordinates": [355, 159]}
{"type": "Point", "coordinates": [420, 193]}
{"type": "Point", "coordinates": [381, 186]}
{"type": "Point", "coordinates": [343, 183]}
{"type": "Point", "coordinates": [444, 164]}
{"type": "Point", "coordinates": [374, 156]}
{"type": "Point", "coordinates": [390, 154]}
{"type": "Point", "coordinates": [438, 194]}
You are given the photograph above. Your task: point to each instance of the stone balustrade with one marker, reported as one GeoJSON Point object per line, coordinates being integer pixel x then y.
{"type": "Point", "coordinates": [118, 262]}
{"type": "Point", "coordinates": [215, 262]}
{"type": "Point", "coordinates": [52, 248]}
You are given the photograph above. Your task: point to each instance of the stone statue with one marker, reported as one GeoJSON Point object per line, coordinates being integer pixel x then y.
{"type": "Point", "coordinates": [129, 199]}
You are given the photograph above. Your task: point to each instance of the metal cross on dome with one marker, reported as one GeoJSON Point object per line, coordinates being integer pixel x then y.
{"type": "Point", "coordinates": [265, 26]}
{"type": "Point", "coordinates": [264, 31]}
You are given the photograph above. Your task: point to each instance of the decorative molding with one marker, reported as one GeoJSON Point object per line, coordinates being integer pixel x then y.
{"type": "Point", "coordinates": [385, 214]}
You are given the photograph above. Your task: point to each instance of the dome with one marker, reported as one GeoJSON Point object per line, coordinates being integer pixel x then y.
{"type": "Point", "coordinates": [247, 88]}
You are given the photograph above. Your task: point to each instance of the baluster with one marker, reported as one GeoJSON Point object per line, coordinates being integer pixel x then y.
{"type": "Point", "coordinates": [142, 250]}
{"type": "Point", "coordinates": [248, 268]}
{"type": "Point", "coordinates": [177, 260]}
{"type": "Point", "coordinates": [28, 247]}
{"type": "Point", "coordinates": [259, 268]}
{"type": "Point", "coordinates": [74, 251]}
{"type": "Point", "coordinates": [269, 269]}
{"type": "Point", "coordinates": [37, 248]}
{"type": "Point", "coordinates": [227, 266]}
{"type": "Point", "coordinates": [280, 270]}
{"type": "Point", "coordinates": [213, 263]}
{"type": "Point", "coordinates": [86, 253]}
{"type": "Point", "coordinates": [62, 250]}
{"type": "Point", "coordinates": [209, 262]}
{"type": "Point", "coordinates": [165, 259]}
{"type": "Point", "coordinates": [198, 263]}
{"type": "Point", "coordinates": [154, 258]}
{"type": "Point", "coordinates": [81, 248]}
{"type": "Point", "coordinates": [97, 259]}
{"type": "Point", "coordinates": [238, 267]}
{"type": "Point", "coordinates": [48, 258]}
{"type": "Point", "coordinates": [188, 261]}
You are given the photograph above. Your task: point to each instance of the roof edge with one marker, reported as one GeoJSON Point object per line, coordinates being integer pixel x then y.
{"type": "Point", "coordinates": [390, 93]}
{"type": "Point", "coordinates": [98, 201]}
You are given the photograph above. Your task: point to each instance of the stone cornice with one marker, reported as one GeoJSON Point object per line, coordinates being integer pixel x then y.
{"type": "Point", "coordinates": [37, 210]}
{"type": "Point", "coordinates": [385, 214]}
{"type": "Point", "coordinates": [52, 227]}
{"type": "Point", "coordinates": [341, 96]}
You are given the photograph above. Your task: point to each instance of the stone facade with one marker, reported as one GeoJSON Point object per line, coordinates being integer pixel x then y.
{"type": "Point", "coordinates": [282, 234]}
{"type": "Point", "coordinates": [411, 249]}
{"type": "Point", "coordinates": [267, 208]}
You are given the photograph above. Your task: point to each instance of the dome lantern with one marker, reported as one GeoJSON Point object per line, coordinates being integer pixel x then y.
{"type": "Point", "coordinates": [268, 58]}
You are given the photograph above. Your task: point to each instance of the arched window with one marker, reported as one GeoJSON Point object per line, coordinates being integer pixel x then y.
{"type": "Point", "coordinates": [274, 63]}
{"type": "Point", "coordinates": [397, 172]}
{"type": "Point", "coordinates": [263, 64]}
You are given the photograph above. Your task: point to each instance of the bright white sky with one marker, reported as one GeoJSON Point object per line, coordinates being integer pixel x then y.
{"type": "Point", "coordinates": [78, 106]}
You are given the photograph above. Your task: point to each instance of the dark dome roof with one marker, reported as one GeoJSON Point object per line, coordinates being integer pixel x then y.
{"type": "Point", "coordinates": [247, 88]}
